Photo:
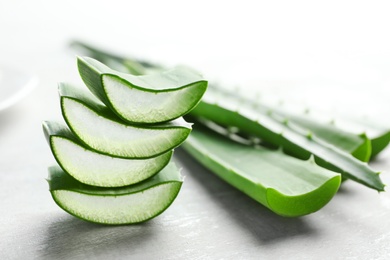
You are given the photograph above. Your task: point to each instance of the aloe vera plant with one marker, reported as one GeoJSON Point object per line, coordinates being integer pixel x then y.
{"type": "Point", "coordinates": [115, 206]}
{"type": "Point", "coordinates": [288, 186]}
{"type": "Point", "coordinates": [313, 143]}
{"type": "Point", "coordinates": [144, 99]}
{"type": "Point", "coordinates": [98, 169]}
{"type": "Point", "coordinates": [100, 129]}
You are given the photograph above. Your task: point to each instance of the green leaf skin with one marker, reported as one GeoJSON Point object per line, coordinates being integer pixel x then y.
{"type": "Point", "coordinates": [101, 130]}
{"type": "Point", "coordinates": [288, 186]}
{"type": "Point", "coordinates": [92, 168]}
{"type": "Point", "coordinates": [357, 145]}
{"type": "Point", "coordinates": [288, 136]}
{"type": "Point", "coordinates": [378, 133]}
{"type": "Point", "coordinates": [380, 143]}
{"type": "Point", "coordinates": [115, 206]}
{"type": "Point", "coordinates": [144, 99]}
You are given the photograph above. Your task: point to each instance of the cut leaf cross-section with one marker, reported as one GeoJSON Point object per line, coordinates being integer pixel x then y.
{"type": "Point", "coordinates": [153, 98]}
{"type": "Point", "coordinates": [115, 206]}
{"type": "Point", "coordinates": [98, 128]}
{"type": "Point", "coordinates": [98, 169]}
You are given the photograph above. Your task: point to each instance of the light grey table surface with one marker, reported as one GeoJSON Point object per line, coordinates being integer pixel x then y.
{"type": "Point", "coordinates": [239, 43]}
{"type": "Point", "coordinates": [209, 219]}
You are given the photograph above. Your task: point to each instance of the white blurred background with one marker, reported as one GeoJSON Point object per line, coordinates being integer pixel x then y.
{"type": "Point", "coordinates": [332, 47]}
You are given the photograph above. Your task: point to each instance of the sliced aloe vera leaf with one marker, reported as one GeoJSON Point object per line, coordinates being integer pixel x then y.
{"type": "Point", "coordinates": [115, 206]}
{"type": "Point", "coordinates": [144, 99]}
{"type": "Point", "coordinates": [98, 169]}
{"type": "Point", "coordinates": [100, 129]}
{"type": "Point", "coordinates": [287, 135]}
{"type": "Point", "coordinates": [288, 186]}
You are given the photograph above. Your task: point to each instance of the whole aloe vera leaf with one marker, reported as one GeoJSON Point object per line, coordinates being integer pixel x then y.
{"type": "Point", "coordinates": [153, 98]}
{"type": "Point", "coordinates": [115, 206]}
{"type": "Point", "coordinates": [97, 169]}
{"type": "Point", "coordinates": [288, 186]}
{"type": "Point", "coordinates": [100, 129]}
{"type": "Point", "coordinates": [357, 145]}
{"type": "Point", "coordinates": [287, 135]}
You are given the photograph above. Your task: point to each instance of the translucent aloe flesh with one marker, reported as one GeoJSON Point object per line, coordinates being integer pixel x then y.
{"type": "Point", "coordinates": [287, 135]}
{"type": "Point", "coordinates": [101, 130]}
{"type": "Point", "coordinates": [147, 98]}
{"type": "Point", "coordinates": [92, 168]}
{"type": "Point", "coordinates": [286, 185]}
{"type": "Point", "coordinates": [115, 206]}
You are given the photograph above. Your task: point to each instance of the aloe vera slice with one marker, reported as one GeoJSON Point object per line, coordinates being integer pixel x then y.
{"type": "Point", "coordinates": [115, 206]}
{"type": "Point", "coordinates": [287, 135]}
{"type": "Point", "coordinates": [144, 99]}
{"type": "Point", "coordinates": [98, 169]}
{"type": "Point", "coordinates": [288, 186]}
{"type": "Point", "coordinates": [100, 129]}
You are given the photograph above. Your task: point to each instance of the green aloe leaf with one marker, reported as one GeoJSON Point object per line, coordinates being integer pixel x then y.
{"type": "Point", "coordinates": [378, 133]}
{"type": "Point", "coordinates": [115, 206]}
{"type": "Point", "coordinates": [359, 145]}
{"type": "Point", "coordinates": [97, 169]}
{"type": "Point", "coordinates": [288, 186]}
{"type": "Point", "coordinates": [101, 130]}
{"type": "Point", "coordinates": [144, 99]}
{"type": "Point", "coordinates": [287, 135]}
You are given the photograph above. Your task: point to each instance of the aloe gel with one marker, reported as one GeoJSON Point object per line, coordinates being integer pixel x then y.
{"type": "Point", "coordinates": [115, 206]}
{"type": "Point", "coordinates": [98, 169]}
{"type": "Point", "coordinates": [152, 98]}
{"type": "Point", "coordinates": [98, 128]}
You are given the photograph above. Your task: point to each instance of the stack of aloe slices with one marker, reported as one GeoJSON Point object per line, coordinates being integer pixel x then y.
{"type": "Point", "coordinates": [234, 126]}
{"type": "Point", "coordinates": [114, 154]}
